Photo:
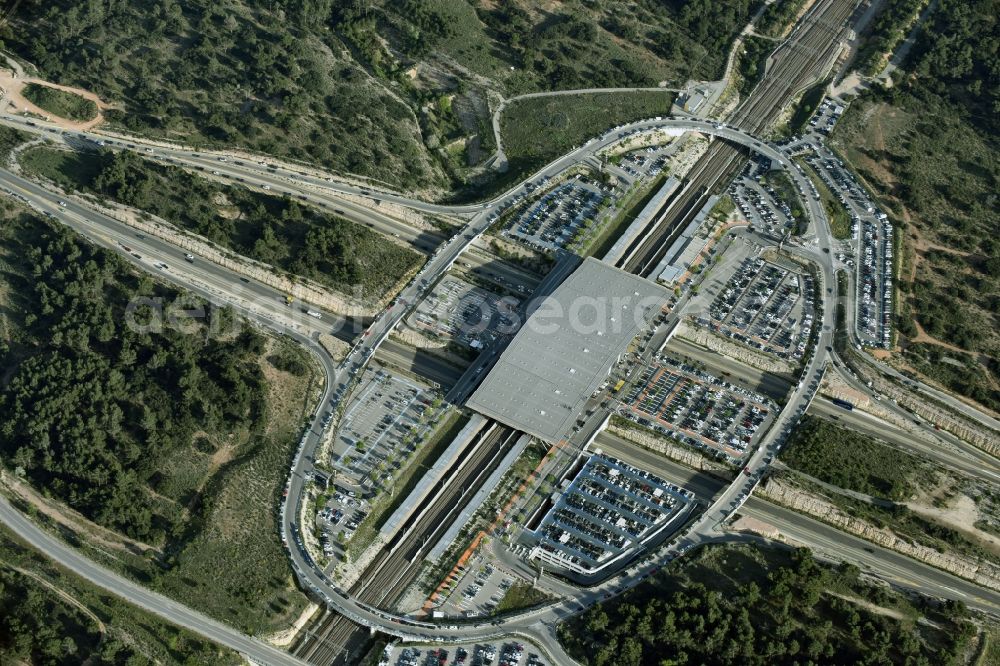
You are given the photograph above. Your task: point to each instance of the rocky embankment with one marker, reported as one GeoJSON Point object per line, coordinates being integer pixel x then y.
{"type": "Point", "coordinates": [980, 572]}
{"type": "Point", "coordinates": [676, 452]}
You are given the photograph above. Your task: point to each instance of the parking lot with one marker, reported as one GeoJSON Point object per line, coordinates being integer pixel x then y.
{"type": "Point", "coordinates": [385, 420]}
{"type": "Point", "coordinates": [510, 653]}
{"type": "Point", "coordinates": [337, 520]}
{"type": "Point", "coordinates": [571, 214]}
{"type": "Point", "coordinates": [761, 205]}
{"type": "Point", "coordinates": [874, 278]}
{"type": "Point", "coordinates": [478, 591]}
{"type": "Point", "coordinates": [697, 408]}
{"type": "Point", "coordinates": [609, 508]}
{"type": "Point", "coordinates": [458, 311]}
{"type": "Point", "coordinates": [871, 232]}
{"type": "Point", "coordinates": [560, 215]}
{"type": "Point", "coordinates": [766, 307]}
{"type": "Point", "coordinates": [643, 163]}
{"type": "Point", "coordinates": [826, 116]}
{"type": "Point", "coordinates": [468, 315]}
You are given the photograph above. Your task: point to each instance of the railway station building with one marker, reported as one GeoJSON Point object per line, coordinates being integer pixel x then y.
{"type": "Point", "coordinates": [566, 349]}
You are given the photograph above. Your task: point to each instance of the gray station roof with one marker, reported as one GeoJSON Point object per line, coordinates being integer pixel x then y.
{"type": "Point", "coordinates": [566, 348]}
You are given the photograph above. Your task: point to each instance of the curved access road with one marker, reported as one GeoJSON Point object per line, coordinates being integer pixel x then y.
{"type": "Point", "coordinates": [948, 400]}
{"type": "Point", "coordinates": [338, 377]}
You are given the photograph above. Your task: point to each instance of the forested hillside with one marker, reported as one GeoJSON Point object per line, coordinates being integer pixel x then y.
{"type": "Point", "coordinates": [37, 627]}
{"type": "Point", "coordinates": [851, 460]}
{"type": "Point", "coordinates": [397, 90]}
{"type": "Point", "coordinates": [50, 617]}
{"type": "Point", "coordinates": [929, 147]}
{"type": "Point", "coordinates": [174, 429]}
{"type": "Point", "coordinates": [92, 407]}
{"type": "Point", "coordinates": [748, 605]}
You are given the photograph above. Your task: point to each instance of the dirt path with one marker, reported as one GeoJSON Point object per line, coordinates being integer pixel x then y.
{"type": "Point", "coordinates": [869, 606]}
{"type": "Point", "coordinates": [919, 245]}
{"type": "Point", "coordinates": [12, 86]}
{"type": "Point", "coordinates": [65, 596]}
{"type": "Point", "coordinates": [924, 337]}
{"type": "Point", "coordinates": [878, 134]}
{"type": "Point", "coordinates": [74, 521]}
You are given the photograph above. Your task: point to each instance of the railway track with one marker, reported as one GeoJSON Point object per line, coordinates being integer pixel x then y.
{"type": "Point", "coordinates": [793, 65]}
{"type": "Point", "coordinates": [334, 638]}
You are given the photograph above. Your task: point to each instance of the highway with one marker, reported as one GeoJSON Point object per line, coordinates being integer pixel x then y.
{"type": "Point", "coordinates": [770, 384]}
{"type": "Point", "coordinates": [502, 273]}
{"type": "Point", "coordinates": [145, 599]}
{"type": "Point", "coordinates": [254, 175]}
{"type": "Point", "coordinates": [938, 446]}
{"type": "Point", "coordinates": [296, 183]}
{"type": "Point", "coordinates": [915, 442]}
{"type": "Point", "coordinates": [706, 528]}
{"type": "Point", "coordinates": [420, 362]}
{"type": "Point", "coordinates": [217, 285]}
{"type": "Point", "coordinates": [264, 306]}
{"type": "Point", "coordinates": [534, 622]}
{"type": "Point", "coordinates": [811, 44]}
{"type": "Point", "coordinates": [269, 170]}
{"type": "Point", "coordinates": [107, 232]}
{"type": "Point", "coordinates": [937, 395]}
{"type": "Point", "coordinates": [889, 565]}
{"type": "Point", "coordinates": [147, 252]}
{"type": "Point", "coordinates": [929, 393]}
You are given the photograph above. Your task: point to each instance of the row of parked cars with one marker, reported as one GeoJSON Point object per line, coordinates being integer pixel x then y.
{"type": "Point", "coordinates": [552, 221]}
{"type": "Point", "coordinates": [755, 309]}
{"type": "Point", "coordinates": [695, 407]}
{"type": "Point", "coordinates": [873, 230]}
